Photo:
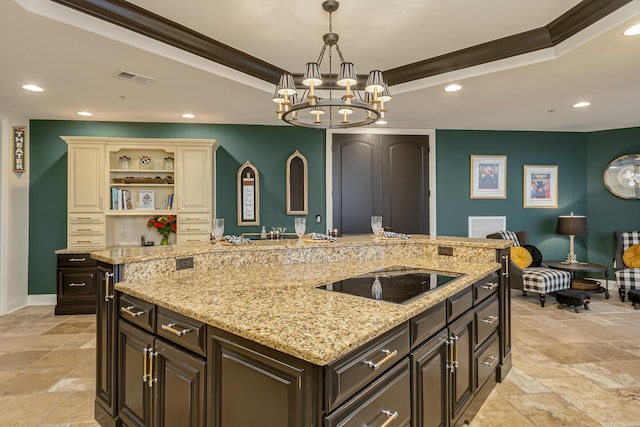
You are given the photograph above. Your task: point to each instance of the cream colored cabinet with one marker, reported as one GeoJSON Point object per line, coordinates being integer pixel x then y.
{"type": "Point", "coordinates": [117, 184]}
{"type": "Point", "coordinates": [85, 193]}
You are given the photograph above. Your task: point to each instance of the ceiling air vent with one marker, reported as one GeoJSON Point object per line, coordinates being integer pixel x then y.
{"type": "Point", "coordinates": [134, 77]}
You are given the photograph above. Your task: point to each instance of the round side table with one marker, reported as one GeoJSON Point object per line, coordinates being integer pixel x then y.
{"type": "Point", "coordinates": [583, 267]}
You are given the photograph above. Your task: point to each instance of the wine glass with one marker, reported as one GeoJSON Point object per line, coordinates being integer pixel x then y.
{"type": "Point", "coordinates": [218, 229]}
{"type": "Point", "coordinates": [376, 226]}
{"type": "Point", "coordinates": [300, 226]}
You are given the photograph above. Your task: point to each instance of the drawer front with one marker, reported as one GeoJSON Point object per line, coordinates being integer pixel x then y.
{"type": "Point", "coordinates": [487, 360]}
{"type": "Point", "coordinates": [487, 319]}
{"type": "Point", "coordinates": [88, 228]}
{"type": "Point", "coordinates": [85, 241]}
{"type": "Point", "coordinates": [86, 218]}
{"type": "Point", "coordinates": [194, 217]}
{"type": "Point", "coordinates": [138, 312]}
{"type": "Point", "coordinates": [193, 238]}
{"type": "Point", "coordinates": [459, 303]}
{"type": "Point", "coordinates": [485, 287]}
{"type": "Point", "coordinates": [385, 402]}
{"type": "Point", "coordinates": [428, 323]}
{"type": "Point", "coordinates": [182, 330]}
{"type": "Point", "coordinates": [349, 374]}
{"type": "Point", "coordinates": [76, 283]}
{"type": "Point", "coordinates": [76, 260]}
{"type": "Point", "coordinates": [194, 227]}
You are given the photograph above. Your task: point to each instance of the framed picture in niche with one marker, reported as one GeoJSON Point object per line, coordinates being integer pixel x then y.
{"type": "Point", "coordinates": [488, 177]}
{"type": "Point", "coordinates": [146, 200]}
{"type": "Point", "coordinates": [248, 195]}
{"type": "Point", "coordinates": [540, 186]}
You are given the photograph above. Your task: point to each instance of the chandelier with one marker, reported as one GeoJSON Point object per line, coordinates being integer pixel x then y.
{"type": "Point", "coordinates": [350, 109]}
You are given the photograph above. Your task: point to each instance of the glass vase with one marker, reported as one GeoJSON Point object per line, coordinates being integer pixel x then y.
{"type": "Point", "coordinates": [165, 240]}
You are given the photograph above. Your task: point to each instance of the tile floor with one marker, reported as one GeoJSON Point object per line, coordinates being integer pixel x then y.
{"type": "Point", "coordinates": [568, 369]}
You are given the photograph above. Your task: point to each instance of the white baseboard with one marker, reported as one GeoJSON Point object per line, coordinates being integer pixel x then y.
{"type": "Point", "coordinates": [44, 299]}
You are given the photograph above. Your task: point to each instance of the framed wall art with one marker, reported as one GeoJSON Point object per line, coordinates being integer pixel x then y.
{"type": "Point", "coordinates": [488, 177]}
{"type": "Point", "coordinates": [540, 186]}
{"type": "Point", "coordinates": [248, 195]}
{"type": "Point", "coordinates": [297, 185]}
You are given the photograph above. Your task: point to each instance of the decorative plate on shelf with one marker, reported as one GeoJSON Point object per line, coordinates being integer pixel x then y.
{"type": "Point", "coordinates": [622, 176]}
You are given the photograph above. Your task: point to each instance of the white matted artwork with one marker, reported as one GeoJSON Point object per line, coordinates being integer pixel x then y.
{"type": "Point", "coordinates": [488, 177]}
{"type": "Point", "coordinates": [540, 186]}
{"type": "Point", "coordinates": [146, 199]}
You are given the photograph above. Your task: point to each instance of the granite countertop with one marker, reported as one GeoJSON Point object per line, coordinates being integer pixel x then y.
{"type": "Point", "coordinates": [280, 307]}
{"type": "Point", "coordinates": [128, 254]}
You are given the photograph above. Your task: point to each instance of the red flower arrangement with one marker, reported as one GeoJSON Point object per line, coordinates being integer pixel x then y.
{"type": "Point", "coordinates": [164, 225]}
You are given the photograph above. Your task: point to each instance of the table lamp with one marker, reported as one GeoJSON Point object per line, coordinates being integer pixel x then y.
{"type": "Point", "coordinates": [572, 225]}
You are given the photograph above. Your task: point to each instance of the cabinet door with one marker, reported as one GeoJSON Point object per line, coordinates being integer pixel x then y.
{"type": "Point", "coordinates": [86, 177]}
{"type": "Point", "coordinates": [179, 392]}
{"type": "Point", "coordinates": [258, 387]}
{"type": "Point", "coordinates": [430, 382]}
{"type": "Point", "coordinates": [134, 391]}
{"type": "Point", "coordinates": [105, 342]}
{"type": "Point", "coordinates": [461, 380]}
{"type": "Point", "coordinates": [194, 179]}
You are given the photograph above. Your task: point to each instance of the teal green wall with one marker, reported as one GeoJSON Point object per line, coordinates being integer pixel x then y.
{"type": "Point", "coordinates": [267, 147]}
{"type": "Point", "coordinates": [566, 150]}
{"type": "Point", "coordinates": [606, 211]}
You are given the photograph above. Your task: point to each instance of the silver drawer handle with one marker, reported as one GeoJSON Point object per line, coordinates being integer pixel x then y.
{"type": "Point", "coordinates": [129, 310]}
{"type": "Point", "coordinates": [390, 417]}
{"type": "Point", "coordinates": [489, 286]}
{"type": "Point", "coordinates": [77, 284]}
{"type": "Point", "coordinates": [178, 332]}
{"type": "Point", "coordinates": [489, 361]}
{"type": "Point", "coordinates": [77, 259]}
{"type": "Point", "coordinates": [490, 319]}
{"type": "Point", "coordinates": [389, 355]}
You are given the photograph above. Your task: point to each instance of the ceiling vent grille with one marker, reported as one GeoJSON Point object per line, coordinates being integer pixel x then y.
{"type": "Point", "coordinates": [135, 77]}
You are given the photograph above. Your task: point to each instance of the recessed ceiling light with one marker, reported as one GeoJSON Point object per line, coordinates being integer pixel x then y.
{"type": "Point", "coordinates": [33, 88]}
{"type": "Point", "coordinates": [188, 116]}
{"type": "Point", "coordinates": [581, 104]}
{"type": "Point", "coordinates": [454, 87]}
{"type": "Point", "coordinates": [84, 113]}
{"type": "Point", "coordinates": [632, 31]}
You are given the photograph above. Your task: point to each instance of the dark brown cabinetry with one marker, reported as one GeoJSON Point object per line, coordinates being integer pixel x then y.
{"type": "Point", "coordinates": [76, 284]}
{"type": "Point", "coordinates": [106, 328]}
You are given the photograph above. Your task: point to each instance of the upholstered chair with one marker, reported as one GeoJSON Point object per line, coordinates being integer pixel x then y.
{"type": "Point", "coordinates": [526, 269]}
{"type": "Point", "coordinates": [627, 260]}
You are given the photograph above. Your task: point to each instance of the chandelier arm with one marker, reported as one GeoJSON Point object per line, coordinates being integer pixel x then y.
{"type": "Point", "coordinates": [340, 53]}
{"type": "Point", "coordinates": [321, 56]}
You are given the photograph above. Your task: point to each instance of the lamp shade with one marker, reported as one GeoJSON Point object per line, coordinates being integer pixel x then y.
{"type": "Point", "coordinates": [385, 95]}
{"type": "Point", "coordinates": [286, 85]}
{"type": "Point", "coordinates": [347, 74]}
{"type": "Point", "coordinates": [572, 225]}
{"type": "Point", "coordinates": [375, 83]}
{"type": "Point", "coordinates": [312, 75]}
{"type": "Point", "coordinates": [276, 96]}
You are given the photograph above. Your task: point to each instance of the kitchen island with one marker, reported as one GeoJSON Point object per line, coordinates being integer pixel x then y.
{"type": "Point", "coordinates": [273, 349]}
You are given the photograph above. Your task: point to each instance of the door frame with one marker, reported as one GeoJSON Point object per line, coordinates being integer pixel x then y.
{"type": "Point", "coordinates": [431, 133]}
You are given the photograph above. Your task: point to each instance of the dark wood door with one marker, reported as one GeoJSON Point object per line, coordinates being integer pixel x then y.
{"type": "Point", "coordinates": [430, 382]}
{"type": "Point", "coordinates": [105, 343]}
{"type": "Point", "coordinates": [461, 381]}
{"type": "Point", "coordinates": [134, 365]}
{"type": "Point", "coordinates": [384, 175]}
{"type": "Point", "coordinates": [179, 389]}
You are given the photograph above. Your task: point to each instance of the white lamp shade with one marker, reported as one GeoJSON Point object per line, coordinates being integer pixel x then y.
{"type": "Point", "coordinates": [312, 75]}
{"type": "Point", "coordinates": [375, 82]}
{"type": "Point", "coordinates": [276, 96]}
{"type": "Point", "coordinates": [347, 74]}
{"type": "Point", "coordinates": [385, 95]}
{"type": "Point", "coordinates": [286, 85]}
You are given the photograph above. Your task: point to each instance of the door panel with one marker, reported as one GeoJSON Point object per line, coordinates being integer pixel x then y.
{"type": "Point", "coordinates": [381, 175]}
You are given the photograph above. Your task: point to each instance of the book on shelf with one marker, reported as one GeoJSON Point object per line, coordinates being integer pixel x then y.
{"type": "Point", "coordinates": [169, 205]}
{"type": "Point", "coordinates": [120, 199]}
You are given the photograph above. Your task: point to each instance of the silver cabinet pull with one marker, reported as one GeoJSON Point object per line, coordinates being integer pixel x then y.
{"type": "Point", "coordinates": [72, 285]}
{"type": "Point", "coordinates": [129, 310]}
{"type": "Point", "coordinates": [390, 417]}
{"type": "Point", "coordinates": [489, 319]}
{"type": "Point", "coordinates": [489, 286]}
{"type": "Point", "coordinates": [170, 328]}
{"type": "Point", "coordinates": [152, 354]}
{"type": "Point", "coordinates": [145, 375]}
{"type": "Point", "coordinates": [77, 259]}
{"type": "Point", "coordinates": [107, 296]}
{"type": "Point", "coordinates": [489, 361]}
{"type": "Point", "coordinates": [389, 355]}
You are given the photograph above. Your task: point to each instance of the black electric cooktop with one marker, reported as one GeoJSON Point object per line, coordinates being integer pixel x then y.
{"type": "Point", "coordinates": [393, 284]}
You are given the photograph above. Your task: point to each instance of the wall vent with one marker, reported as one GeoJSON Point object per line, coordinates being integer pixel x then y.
{"type": "Point", "coordinates": [135, 77]}
{"type": "Point", "coordinates": [480, 226]}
